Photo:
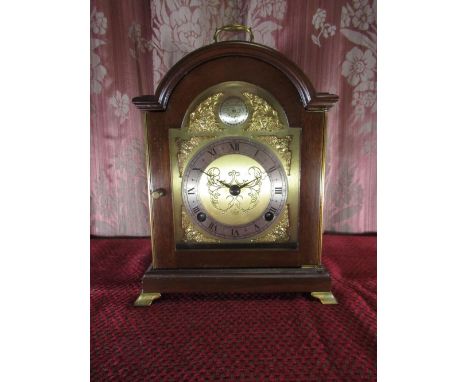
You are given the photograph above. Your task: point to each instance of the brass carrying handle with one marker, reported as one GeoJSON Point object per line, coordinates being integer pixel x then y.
{"type": "Point", "coordinates": [233, 28]}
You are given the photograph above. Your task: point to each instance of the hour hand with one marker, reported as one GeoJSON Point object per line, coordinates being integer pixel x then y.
{"type": "Point", "coordinates": [216, 180]}
{"type": "Point", "coordinates": [223, 183]}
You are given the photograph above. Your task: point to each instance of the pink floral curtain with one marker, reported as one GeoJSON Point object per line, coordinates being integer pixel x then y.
{"type": "Point", "coordinates": [134, 43]}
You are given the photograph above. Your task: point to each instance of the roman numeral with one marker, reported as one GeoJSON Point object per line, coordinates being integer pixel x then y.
{"type": "Point", "coordinates": [212, 227]}
{"type": "Point", "coordinates": [234, 146]}
{"type": "Point", "coordinates": [278, 190]}
{"type": "Point", "coordinates": [191, 191]}
{"type": "Point", "coordinates": [212, 151]}
{"type": "Point", "coordinates": [234, 232]}
{"type": "Point", "coordinates": [273, 210]}
{"type": "Point", "coordinates": [196, 210]}
{"type": "Point", "coordinates": [272, 169]}
{"type": "Point", "coordinates": [256, 152]}
{"type": "Point", "coordinates": [256, 227]}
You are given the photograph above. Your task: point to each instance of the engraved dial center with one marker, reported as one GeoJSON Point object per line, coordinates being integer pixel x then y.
{"type": "Point", "coordinates": [234, 189]}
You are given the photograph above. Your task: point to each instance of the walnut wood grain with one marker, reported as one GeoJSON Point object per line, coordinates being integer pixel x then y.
{"type": "Point", "coordinates": [236, 280]}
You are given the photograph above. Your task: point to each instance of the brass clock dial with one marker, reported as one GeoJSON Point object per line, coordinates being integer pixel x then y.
{"type": "Point", "coordinates": [234, 188]}
{"type": "Point", "coordinates": [233, 111]}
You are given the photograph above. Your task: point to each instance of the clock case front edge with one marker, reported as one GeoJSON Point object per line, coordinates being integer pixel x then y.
{"type": "Point", "coordinates": [220, 270]}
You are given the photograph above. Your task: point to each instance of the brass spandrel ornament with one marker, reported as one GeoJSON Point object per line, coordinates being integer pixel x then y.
{"type": "Point", "coordinates": [203, 118]}
{"type": "Point", "coordinates": [186, 147]}
{"type": "Point", "coordinates": [191, 233]}
{"type": "Point", "coordinates": [282, 146]}
{"type": "Point", "coordinates": [280, 232]}
{"type": "Point", "coordinates": [264, 116]}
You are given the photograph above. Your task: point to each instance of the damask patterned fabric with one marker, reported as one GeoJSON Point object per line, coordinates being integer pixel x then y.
{"type": "Point", "coordinates": [134, 43]}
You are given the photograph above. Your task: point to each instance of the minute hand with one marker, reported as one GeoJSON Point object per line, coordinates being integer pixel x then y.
{"type": "Point", "coordinates": [245, 184]}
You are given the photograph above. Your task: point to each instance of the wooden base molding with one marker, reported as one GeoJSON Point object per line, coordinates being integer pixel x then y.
{"type": "Point", "coordinates": [236, 280]}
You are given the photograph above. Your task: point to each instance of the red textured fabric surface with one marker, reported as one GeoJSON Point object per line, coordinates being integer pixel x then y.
{"type": "Point", "coordinates": [233, 337]}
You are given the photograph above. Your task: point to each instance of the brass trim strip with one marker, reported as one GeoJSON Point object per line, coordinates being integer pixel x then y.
{"type": "Point", "coordinates": [322, 186]}
{"type": "Point", "coordinates": [318, 109]}
{"type": "Point", "coordinates": [149, 186]}
{"type": "Point", "coordinates": [318, 268]}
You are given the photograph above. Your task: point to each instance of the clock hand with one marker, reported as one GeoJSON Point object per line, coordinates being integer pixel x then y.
{"type": "Point", "coordinates": [223, 183]}
{"type": "Point", "coordinates": [217, 180]}
{"type": "Point", "coordinates": [253, 180]}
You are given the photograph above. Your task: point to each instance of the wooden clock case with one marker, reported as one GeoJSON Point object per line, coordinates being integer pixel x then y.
{"type": "Point", "coordinates": [266, 270]}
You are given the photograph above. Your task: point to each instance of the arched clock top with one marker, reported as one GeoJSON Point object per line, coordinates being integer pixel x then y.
{"type": "Point", "coordinates": [310, 99]}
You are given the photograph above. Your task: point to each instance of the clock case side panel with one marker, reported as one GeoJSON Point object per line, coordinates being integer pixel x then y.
{"type": "Point", "coordinates": [159, 178]}
{"type": "Point", "coordinates": [312, 185]}
{"type": "Point", "coordinates": [259, 72]}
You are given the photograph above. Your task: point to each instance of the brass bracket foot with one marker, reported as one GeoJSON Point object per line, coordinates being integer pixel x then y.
{"type": "Point", "coordinates": [146, 299]}
{"type": "Point", "coordinates": [325, 297]}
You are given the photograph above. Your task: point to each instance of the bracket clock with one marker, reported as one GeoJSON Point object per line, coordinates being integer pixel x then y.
{"type": "Point", "coordinates": [235, 138]}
